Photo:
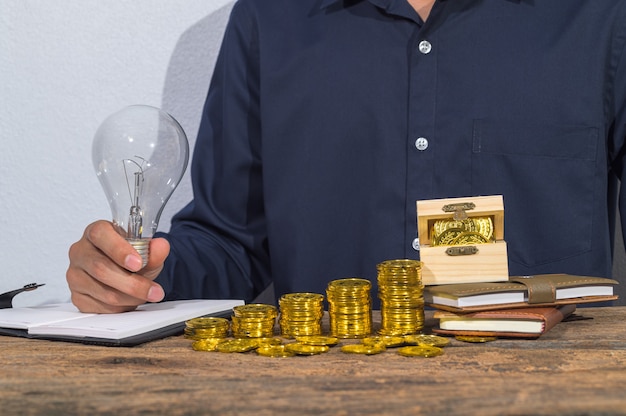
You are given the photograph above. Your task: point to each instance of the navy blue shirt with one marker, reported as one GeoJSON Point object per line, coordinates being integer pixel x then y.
{"type": "Point", "coordinates": [327, 119]}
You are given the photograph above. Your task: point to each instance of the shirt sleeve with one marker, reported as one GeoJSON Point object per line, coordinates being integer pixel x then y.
{"type": "Point", "coordinates": [219, 241]}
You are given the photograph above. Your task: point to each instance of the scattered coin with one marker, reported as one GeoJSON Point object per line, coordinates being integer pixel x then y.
{"type": "Point", "coordinates": [366, 349]}
{"type": "Point", "coordinates": [207, 344]}
{"type": "Point", "coordinates": [237, 345]}
{"type": "Point", "coordinates": [304, 349]}
{"type": "Point", "coordinates": [318, 340]}
{"type": "Point", "coordinates": [472, 338]}
{"type": "Point", "coordinates": [389, 341]}
{"type": "Point", "coordinates": [426, 351]}
{"type": "Point", "coordinates": [275, 351]}
{"type": "Point", "coordinates": [426, 339]}
{"type": "Point", "coordinates": [268, 341]}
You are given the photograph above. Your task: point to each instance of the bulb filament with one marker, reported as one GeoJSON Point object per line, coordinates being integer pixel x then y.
{"type": "Point", "coordinates": [135, 189]}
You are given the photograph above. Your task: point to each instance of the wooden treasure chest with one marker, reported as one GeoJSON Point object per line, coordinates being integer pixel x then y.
{"type": "Point", "coordinates": [462, 240]}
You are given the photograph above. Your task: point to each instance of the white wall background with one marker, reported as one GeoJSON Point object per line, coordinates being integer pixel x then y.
{"type": "Point", "coordinates": [64, 67]}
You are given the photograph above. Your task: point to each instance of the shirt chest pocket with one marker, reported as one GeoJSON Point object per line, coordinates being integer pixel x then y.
{"type": "Point", "coordinates": [548, 176]}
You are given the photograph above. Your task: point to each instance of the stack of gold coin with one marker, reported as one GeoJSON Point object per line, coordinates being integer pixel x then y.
{"type": "Point", "coordinates": [350, 307]}
{"type": "Point", "coordinates": [401, 294]}
{"type": "Point", "coordinates": [206, 327]}
{"type": "Point", "coordinates": [472, 230]}
{"type": "Point", "coordinates": [301, 314]}
{"type": "Point", "coordinates": [255, 320]}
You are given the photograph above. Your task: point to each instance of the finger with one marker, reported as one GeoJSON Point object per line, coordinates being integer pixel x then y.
{"type": "Point", "coordinates": [103, 236]}
{"type": "Point", "coordinates": [97, 279]}
{"type": "Point", "coordinates": [86, 291]}
{"type": "Point", "coordinates": [159, 250]}
{"type": "Point", "coordinates": [93, 295]}
{"type": "Point", "coordinates": [92, 273]}
{"type": "Point", "coordinates": [87, 304]}
{"type": "Point", "coordinates": [117, 286]}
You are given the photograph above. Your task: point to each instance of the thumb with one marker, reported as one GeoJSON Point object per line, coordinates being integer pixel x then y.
{"type": "Point", "coordinates": [159, 250]}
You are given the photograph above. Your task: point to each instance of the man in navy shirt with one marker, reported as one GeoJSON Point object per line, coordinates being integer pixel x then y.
{"type": "Point", "coordinates": [327, 119]}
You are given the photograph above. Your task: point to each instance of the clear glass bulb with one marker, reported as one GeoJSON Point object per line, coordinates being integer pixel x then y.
{"type": "Point", "coordinates": [140, 154]}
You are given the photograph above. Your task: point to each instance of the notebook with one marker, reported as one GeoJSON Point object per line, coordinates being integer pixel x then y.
{"type": "Point", "coordinates": [521, 291]}
{"type": "Point", "coordinates": [518, 322]}
{"type": "Point", "coordinates": [151, 321]}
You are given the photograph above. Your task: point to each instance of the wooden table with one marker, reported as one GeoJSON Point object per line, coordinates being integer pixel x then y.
{"type": "Point", "coordinates": [577, 368]}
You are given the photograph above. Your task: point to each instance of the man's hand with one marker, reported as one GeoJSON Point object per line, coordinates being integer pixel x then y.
{"type": "Point", "coordinates": [105, 274]}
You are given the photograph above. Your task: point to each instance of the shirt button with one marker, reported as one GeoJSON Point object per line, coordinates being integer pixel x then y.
{"type": "Point", "coordinates": [416, 244]}
{"type": "Point", "coordinates": [425, 47]}
{"type": "Point", "coordinates": [421, 143]}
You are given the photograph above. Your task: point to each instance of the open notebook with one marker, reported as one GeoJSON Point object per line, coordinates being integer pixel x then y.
{"type": "Point", "coordinates": [148, 322]}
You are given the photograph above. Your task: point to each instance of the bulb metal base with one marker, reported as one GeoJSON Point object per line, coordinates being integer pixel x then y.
{"type": "Point", "coordinates": [142, 245]}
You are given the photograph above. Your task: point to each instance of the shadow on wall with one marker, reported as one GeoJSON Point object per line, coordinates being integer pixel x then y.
{"type": "Point", "coordinates": [186, 84]}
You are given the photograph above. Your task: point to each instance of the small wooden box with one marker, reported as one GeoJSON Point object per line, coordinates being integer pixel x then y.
{"type": "Point", "coordinates": [488, 264]}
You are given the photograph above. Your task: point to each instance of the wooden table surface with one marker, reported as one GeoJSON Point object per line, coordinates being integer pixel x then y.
{"type": "Point", "coordinates": [578, 368]}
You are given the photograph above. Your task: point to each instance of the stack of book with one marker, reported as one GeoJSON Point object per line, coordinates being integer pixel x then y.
{"type": "Point", "coordinates": [524, 306]}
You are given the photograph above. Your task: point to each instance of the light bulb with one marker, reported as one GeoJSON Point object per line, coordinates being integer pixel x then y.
{"type": "Point", "coordinates": [140, 154]}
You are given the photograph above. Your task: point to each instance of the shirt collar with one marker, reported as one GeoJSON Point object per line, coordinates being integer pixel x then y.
{"type": "Point", "coordinates": [326, 3]}
{"type": "Point", "coordinates": [381, 3]}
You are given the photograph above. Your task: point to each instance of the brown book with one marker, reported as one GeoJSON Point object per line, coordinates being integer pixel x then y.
{"type": "Point", "coordinates": [520, 292]}
{"type": "Point", "coordinates": [517, 322]}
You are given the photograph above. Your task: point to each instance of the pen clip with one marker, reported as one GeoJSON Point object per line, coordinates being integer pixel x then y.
{"type": "Point", "coordinates": [6, 299]}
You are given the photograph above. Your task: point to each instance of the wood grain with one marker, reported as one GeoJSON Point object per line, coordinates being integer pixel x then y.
{"type": "Point", "coordinates": [577, 368]}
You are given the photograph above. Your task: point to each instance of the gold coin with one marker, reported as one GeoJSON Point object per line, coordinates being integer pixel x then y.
{"type": "Point", "coordinates": [472, 338]}
{"type": "Point", "coordinates": [207, 344]}
{"type": "Point", "coordinates": [256, 310]}
{"type": "Point", "coordinates": [441, 234]}
{"type": "Point", "coordinates": [424, 339]}
{"type": "Point", "coordinates": [317, 340]}
{"type": "Point", "coordinates": [304, 349]}
{"type": "Point", "coordinates": [238, 345]}
{"type": "Point", "coordinates": [467, 224]}
{"type": "Point", "coordinates": [206, 333]}
{"type": "Point", "coordinates": [484, 225]}
{"type": "Point", "coordinates": [468, 238]}
{"type": "Point", "coordinates": [302, 297]}
{"type": "Point", "coordinates": [301, 314]}
{"type": "Point", "coordinates": [349, 307]}
{"type": "Point", "coordinates": [426, 351]}
{"type": "Point", "coordinates": [263, 341]}
{"type": "Point", "coordinates": [446, 237]}
{"type": "Point", "coordinates": [253, 320]}
{"type": "Point", "coordinates": [366, 349]}
{"type": "Point", "coordinates": [399, 266]}
{"type": "Point", "coordinates": [350, 282]}
{"type": "Point", "coordinates": [389, 341]}
{"type": "Point", "coordinates": [206, 322]}
{"type": "Point", "coordinates": [276, 351]}
{"type": "Point", "coordinates": [400, 290]}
